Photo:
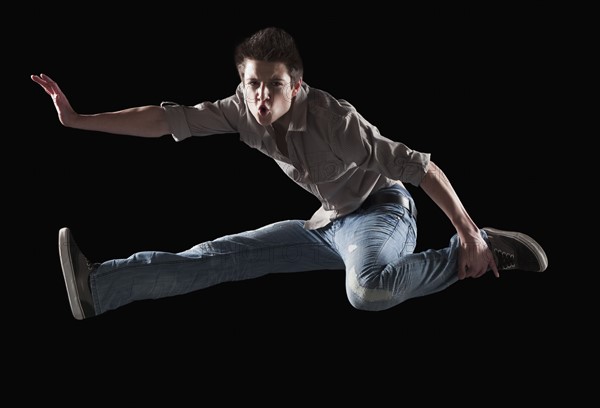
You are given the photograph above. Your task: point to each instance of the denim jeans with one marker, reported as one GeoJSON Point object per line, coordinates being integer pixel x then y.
{"type": "Point", "coordinates": [373, 245]}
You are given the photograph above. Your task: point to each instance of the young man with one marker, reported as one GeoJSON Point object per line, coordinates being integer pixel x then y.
{"type": "Point", "coordinates": [366, 224]}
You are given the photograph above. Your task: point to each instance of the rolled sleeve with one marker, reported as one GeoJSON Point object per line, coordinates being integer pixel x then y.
{"type": "Point", "coordinates": [203, 119]}
{"type": "Point", "coordinates": [176, 118]}
{"type": "Point", "coordinates": [411, 166]}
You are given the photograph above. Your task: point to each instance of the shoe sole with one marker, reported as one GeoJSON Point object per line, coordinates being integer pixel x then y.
{"type": "Point", "coordinates": [64, 250]}
{"type": "Point", "coordinates": [529, 242]}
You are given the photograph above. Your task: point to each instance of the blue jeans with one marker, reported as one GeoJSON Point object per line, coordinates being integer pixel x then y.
{"type": "Point", "coordinates": [373, 245]}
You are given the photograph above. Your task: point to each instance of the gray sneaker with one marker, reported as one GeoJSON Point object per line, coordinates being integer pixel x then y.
{"type": "Point", "coordinates": [515, 250]}
{"type": "Point", "coordinates": [76, 270]}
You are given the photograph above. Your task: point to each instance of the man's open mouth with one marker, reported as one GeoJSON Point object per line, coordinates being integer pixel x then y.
{"type": "Point", "coordinates": [263, 110]}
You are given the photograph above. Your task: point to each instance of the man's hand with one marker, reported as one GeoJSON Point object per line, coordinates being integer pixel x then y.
{"type": "Point", "coordinates": [66, 114]}
{"type": "Point", "coordinates": [475, 259]}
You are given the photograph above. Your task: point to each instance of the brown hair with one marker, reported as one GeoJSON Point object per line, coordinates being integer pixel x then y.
{"type": "Point", "coordinates": [270, 44]}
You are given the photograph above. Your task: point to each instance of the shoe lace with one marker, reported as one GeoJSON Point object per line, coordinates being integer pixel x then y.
{"type": "Point", "coordinates": [506, 260]}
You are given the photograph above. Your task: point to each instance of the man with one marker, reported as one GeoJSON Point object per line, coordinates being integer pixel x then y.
{"type": "Point", "coordinates": [366, 224]}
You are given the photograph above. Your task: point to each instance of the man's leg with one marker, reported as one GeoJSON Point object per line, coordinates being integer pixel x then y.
{"type": "Point", "coordinates": [382, 272]}
{"type": "Point", "coordinates": [280, 247]}
{"type": "Point", "coordinates": [371, 242]}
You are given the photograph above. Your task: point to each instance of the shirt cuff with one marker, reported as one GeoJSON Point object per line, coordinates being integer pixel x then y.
{"type": "Point", "coordinates": [177, 120]}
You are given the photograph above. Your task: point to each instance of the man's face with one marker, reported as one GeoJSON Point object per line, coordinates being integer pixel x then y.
{"type": "Point", "coordinates": [268, 90]}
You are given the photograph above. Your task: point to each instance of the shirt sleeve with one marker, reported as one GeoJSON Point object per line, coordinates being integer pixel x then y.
{"type": "Point", "coordinates": [203, 119]}
{"type": "Point", "coordinates": [357, 141]}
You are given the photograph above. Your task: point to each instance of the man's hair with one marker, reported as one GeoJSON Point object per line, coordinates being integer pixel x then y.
{"type": "Point", "coordinates": [270, 44]}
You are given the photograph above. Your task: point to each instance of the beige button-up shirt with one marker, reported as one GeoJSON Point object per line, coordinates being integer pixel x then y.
{"type": "Point", "coordinates": [333, 152]}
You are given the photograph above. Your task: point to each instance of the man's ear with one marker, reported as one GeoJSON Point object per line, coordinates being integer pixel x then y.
{"type": "Point", "coordinates": [296, 88]}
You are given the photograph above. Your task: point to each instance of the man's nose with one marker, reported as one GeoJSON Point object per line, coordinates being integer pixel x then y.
{"type": "Point", "coordinates": [263, 92]}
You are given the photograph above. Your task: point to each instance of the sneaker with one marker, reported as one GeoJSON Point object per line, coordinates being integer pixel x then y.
{"type": "Point", "coordinates": [515, 250]}
{"type": "Point", "coordinates": [76, 270]}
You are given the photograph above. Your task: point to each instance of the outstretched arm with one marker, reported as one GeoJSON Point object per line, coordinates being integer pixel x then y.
{"type": "Point", "coordinates": [475, 258]}
{"type": "Point", "coordinates": [145, 121]}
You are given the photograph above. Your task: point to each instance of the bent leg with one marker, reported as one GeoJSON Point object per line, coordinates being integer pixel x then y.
{"type": "Point", "coordinates": [280, 247]}
{"type": "Point", "coordinates": [381, 269]}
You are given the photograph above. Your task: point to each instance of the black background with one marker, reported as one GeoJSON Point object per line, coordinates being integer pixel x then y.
{"type": "Point", "coordinates": [471, 87]}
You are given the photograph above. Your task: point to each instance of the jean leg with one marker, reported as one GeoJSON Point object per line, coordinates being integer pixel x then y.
{"type": "Point", "coordinates": [381, 269]}
{"type": "Point", "coordinates": [280, 247]}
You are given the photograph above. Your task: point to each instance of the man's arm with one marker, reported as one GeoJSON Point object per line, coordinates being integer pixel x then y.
{"type": "Point", "coordinates": [144, 121]}
{"type": "Point", "coordinates": [475, 258]}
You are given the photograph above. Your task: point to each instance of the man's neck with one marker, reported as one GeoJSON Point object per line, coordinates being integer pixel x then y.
{"type": "Point", "coordinates": [281, 125]}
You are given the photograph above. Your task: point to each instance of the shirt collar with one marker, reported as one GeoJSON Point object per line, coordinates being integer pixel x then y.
{"type": "Point", "coordinates": [298, 122]}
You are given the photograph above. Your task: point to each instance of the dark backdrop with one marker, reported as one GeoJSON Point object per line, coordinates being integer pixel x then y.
{"type": "Point", "coordinates": [468, 86]}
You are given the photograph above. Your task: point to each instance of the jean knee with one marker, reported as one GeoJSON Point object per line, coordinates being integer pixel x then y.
{"type": "Point", "coordinates": [368, 291]}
